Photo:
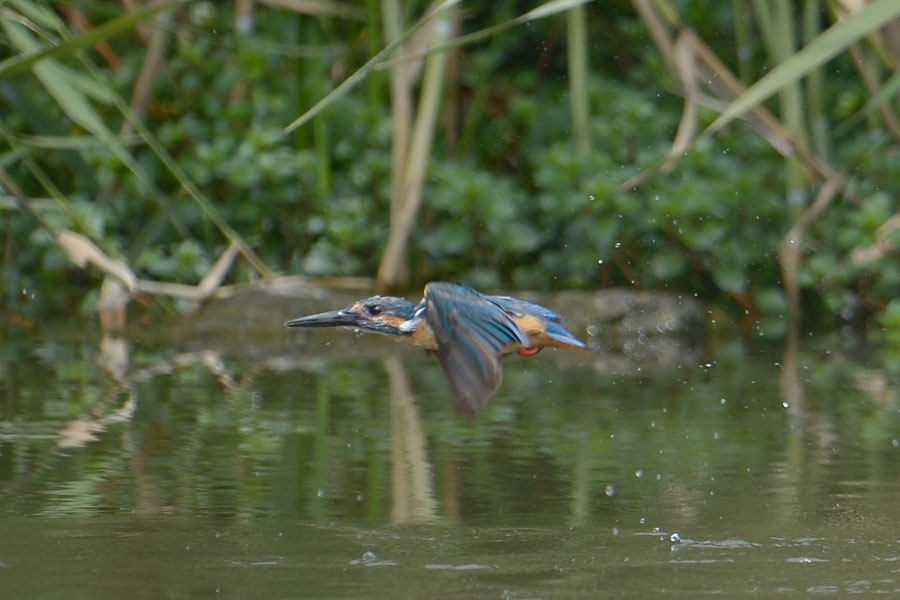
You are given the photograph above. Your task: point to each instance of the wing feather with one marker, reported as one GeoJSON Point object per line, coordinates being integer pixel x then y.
{"type": "Point", "coordinates": [552, 323]}
{"type": "Point", "coordinates": [470, 332]}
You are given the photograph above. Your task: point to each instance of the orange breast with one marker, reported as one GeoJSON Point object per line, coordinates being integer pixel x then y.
{"type": "Point", "coordinates": [422, 336]}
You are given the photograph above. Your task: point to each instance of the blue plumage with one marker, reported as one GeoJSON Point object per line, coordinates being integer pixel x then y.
{"type": "Point", "coordinates": [468, 330]}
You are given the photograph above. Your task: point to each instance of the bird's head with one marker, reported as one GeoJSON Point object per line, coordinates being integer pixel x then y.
{"type": "Point", "coordinates": [382, 314]}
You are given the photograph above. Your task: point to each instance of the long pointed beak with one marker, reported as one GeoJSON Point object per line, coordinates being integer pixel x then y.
{"type": "Point", "coordinates": [334, 318]}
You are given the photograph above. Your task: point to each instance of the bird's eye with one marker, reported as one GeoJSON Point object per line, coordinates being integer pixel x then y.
{"type": "Point", "coordinates": [374, 310]}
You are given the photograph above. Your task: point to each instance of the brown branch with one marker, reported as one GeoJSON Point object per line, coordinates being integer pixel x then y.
{"type": "Point", "coordinates": [150, 69]}
{"type": "Point", "coordinates": [81, 22]}
{"type": "Point", "coordinates": [871, 82]}
{"type": "Point", "coordinates": [789, 249]}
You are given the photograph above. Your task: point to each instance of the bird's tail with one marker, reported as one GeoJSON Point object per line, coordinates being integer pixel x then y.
{"type": "Point", "coordinates": [566, 340]}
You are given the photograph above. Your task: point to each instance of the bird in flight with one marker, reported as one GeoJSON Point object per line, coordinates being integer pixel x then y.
{"type": "Point", "coordinates": [467, 330]}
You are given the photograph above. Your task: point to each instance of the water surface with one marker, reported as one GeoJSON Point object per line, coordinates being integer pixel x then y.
{"type": "Point", "coordinates": [322, 465]}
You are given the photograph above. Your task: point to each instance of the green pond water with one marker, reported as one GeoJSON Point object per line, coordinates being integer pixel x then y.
{"type": "Point", "coordinates": [215, 462]}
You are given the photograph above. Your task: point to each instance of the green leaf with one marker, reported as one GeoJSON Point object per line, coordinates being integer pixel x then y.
{"type": "Point", "coordinates": [667, 264]}
{"type": "Point", "coordinates": [771, 301]}
{"type": "Point", "coordinates": [730, 279]}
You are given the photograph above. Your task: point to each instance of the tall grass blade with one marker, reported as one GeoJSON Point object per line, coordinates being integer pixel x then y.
{"type": "Point", "coordinates": [201, 200]}
{"type": "Point", "coordinates": [54, 78]}
{"type": "Point", "coordinates": [39, 14]}
{"type": "Point", "coordinates": [790, 98]}
{"type": "Point", "coordinates": [578, 78]}
{"type": "Point", "coordinates": [886, 93]}
{"type": "Point", "coordinates": [392, 268]}
{"type": "Point", "coordinates": [21, 63]}
{"type": "Point", "coordinates": [361, 73]}
{"type": "Point", "coordinates": [41, 176]}
{"type": "Point", "coordinates": [401, 104]}
{"type": "Point", "coordinates": [545, 10]}
{"type": "Point", "coordinates": [22, 202]}
{"type": "Point", "coordinates": [833, 41]}
{"type": "Point", "coordinates": [815, 83]}
{"type": "Point", "coordinates": [77, 247]}
{"type": "Point", "coordinates": [57, 80]}
{"type": "Point", "coordinates": [743, 40]}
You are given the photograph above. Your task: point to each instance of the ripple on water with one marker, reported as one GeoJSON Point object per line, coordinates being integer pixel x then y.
{"type": "Point", "coordinates": [469, 567]}
{"type": "Point", "coordinates": [370, 560]}
{"type": "Point", "coordinates": [730, 544]}
{"type": "Point", "coordinates": [806, 559]}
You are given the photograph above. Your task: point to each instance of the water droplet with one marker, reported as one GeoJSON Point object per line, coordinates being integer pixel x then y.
{"type": "Point", "coordinates": [723, 401]}
{"type": "Point", "coordinates": [320, 493]}
{"type": "Point", "coordinates": [786, 404]}
{"type": "Point", "coordinates": [639, 473]}
{"type": "Point", "coordinates": [611, 489]}
{"type": "Point", "coordinates": [599, 261]}
{"type": "Point", "coordinates": [368, 556]}
{"type": "Point", "coordinates": [618, 244]}
{"type": "Point", "coordinates": [675, 538]}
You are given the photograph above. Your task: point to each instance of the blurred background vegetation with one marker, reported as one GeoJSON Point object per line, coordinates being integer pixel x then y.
{"type": "Point", "coordinates": [546, 146]}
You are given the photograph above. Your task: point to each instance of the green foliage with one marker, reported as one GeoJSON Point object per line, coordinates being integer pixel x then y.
{"type": "Point", "coordinates": [508, 202]}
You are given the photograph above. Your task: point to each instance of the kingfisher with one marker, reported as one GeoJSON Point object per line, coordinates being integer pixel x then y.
{"type": "Point", "coordinates": [467, 330]}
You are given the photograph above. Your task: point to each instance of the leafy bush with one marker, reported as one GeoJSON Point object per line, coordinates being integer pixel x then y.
{"type": "Point", "coordinates": [508, 202]}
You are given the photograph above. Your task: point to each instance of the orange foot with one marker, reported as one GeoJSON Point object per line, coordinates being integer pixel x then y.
{"type": "Point", "coordinates": [528, 351]}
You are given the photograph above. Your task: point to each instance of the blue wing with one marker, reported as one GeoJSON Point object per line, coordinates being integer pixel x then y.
{"type": "Point", "coordinates": [470, 330]}
{"type": "Point", "coordinates": [553, 321]}
{"type": "Point", "coordinates": [522, 308]}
